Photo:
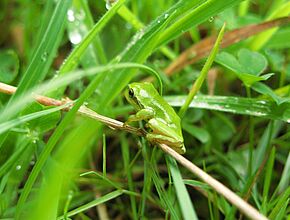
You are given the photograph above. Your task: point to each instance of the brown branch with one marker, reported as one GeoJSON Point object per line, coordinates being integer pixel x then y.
{"type": "Point", "coordinates": [202, 49]}
{"type": "Point", "coordinates": [242, 205]}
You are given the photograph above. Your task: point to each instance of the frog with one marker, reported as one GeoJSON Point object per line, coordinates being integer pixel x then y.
{"type": "Point", "coordinates": [162, 124]}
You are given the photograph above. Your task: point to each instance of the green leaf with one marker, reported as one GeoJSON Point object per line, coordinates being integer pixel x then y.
{"type": "Point", "coordinates": [199, 133]}
{"type": "Point", "coordinates": [249, 79]}
{"type": "Point", "coordinates": [252, 62]}
{"type": "Point", "coordinates": [229, 61]}
{"type": "Point", "coordinates": [247, 67]}
{"type": "Point", "coordinates": [9, 66]}
{"type": "Point", "coordinates": [237, 105]}
{"type": "Point", "coordinates": [266, 90]}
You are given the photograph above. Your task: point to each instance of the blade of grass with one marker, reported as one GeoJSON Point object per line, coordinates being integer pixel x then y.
{"type": "Point", "coordinates": [126, 159]}
{"type": "Point", "coordinates": [281, 202]}
{"type": "Point", "coordinates": [104, 156]}
{"type": "Point", "coordinates": [194, 16]}
{"type": "Point", "coordinates": [236, 105]}
{"type": "Point", "coordinates": [260, 40]}
{"type": "Point", "coordinates": [285, 177]}
{"type": "Point", "coordinates": [199, 81]}
{"type": "Point", "coordinates": [73, 59]}
{"type": "Point", "coordinates": [267, 181]}
{"type": "Point", "coordinates": [162, 194]}
{"type": "Point", "coordinates": [20, 120]}
{"type": "Point", "coordinates": [96, 202]}
{"type": "Point", "coordinates": [184, 200]}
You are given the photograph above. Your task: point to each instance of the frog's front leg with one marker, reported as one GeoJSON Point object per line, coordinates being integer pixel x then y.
{"type": "Point", "coordinates": [143, 114]}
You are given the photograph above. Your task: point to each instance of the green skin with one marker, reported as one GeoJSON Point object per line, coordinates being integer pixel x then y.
{"type": "Point", "coordinates": [163, 122]}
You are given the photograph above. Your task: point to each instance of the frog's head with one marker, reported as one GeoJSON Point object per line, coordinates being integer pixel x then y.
{"type": "Point", "coordinates": [132, 97]}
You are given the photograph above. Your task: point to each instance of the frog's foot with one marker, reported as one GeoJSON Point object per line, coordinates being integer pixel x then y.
{"type": "Point", "coordinates": [143, 114]}
{"type": "Point", "coordinates": [178, 146]}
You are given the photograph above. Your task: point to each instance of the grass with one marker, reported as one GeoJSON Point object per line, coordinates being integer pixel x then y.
{"type": "Point", "coordinates": [61, 165]}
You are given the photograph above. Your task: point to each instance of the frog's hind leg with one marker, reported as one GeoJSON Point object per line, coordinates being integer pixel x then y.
{"type": "Point", "coordinates": [171, 142]}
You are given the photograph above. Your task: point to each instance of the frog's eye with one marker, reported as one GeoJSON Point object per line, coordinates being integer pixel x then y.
{"type": "Point", "coordinates": [131, 93]}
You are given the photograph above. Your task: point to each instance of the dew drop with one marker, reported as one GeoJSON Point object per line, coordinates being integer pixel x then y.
{"type": "Point", "coordinates": [70, 15]}
{"type": "Point", "coordinates": [75, 37]}
{"type": "Point", "coordinates": [44, 56]}
{"type": "Point", "coordinates": [158, 21]}
{"type": "Point", "coordinates": [128, 26]}
{"type": "Point", "coordinates": [18, 167]}
{"type": "Point", "coordinates": [109, 3]}
{"type": "Point", "coordinates": [98, 92]}
{"type": "Point", "coordinates": [211, 19]}
{"type": "Point", "coordinates": [166, 15]}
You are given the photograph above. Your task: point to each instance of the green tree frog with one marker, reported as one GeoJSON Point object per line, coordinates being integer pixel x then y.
{"type": "Point", "coordinates": [161, 120]}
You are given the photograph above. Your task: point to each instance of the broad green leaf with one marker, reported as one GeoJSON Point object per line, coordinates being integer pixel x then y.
{"type": "Point", "coordinates": [229, 61]}
{"type": "Point", "coordinates": [237, 105]}
{"type": "Point", "coordinates": [199, 133]}
{"type": "Point", "coordinates": [252, 62]}
{"type": "Point", "coordinates": [247, 67]}
{"type": "Point", "coordinates": [249, 79]}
